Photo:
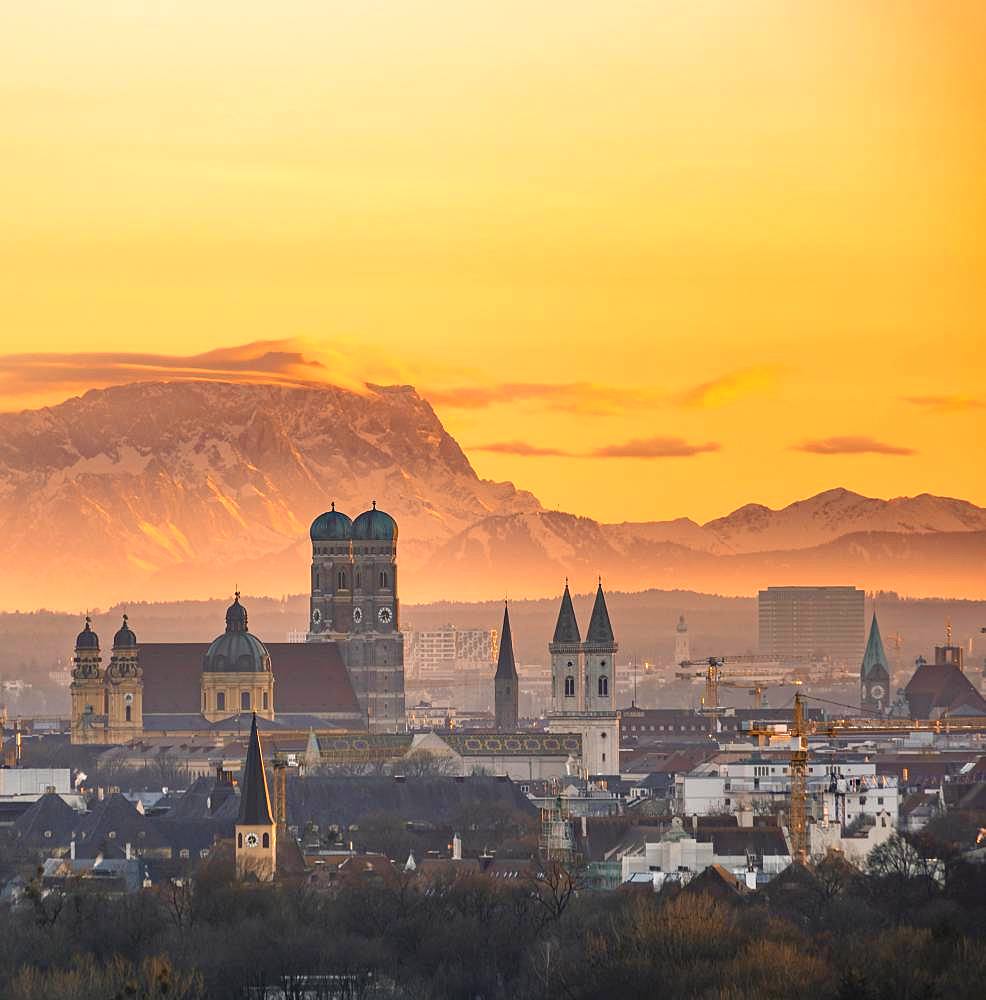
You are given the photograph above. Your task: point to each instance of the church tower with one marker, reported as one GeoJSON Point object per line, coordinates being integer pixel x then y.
{"type": "Point", "coordinates": [124, 688]}
{"type": "Point", "coordinates": [331, 609]}
{"type": "Point", "coordinates": [256, 831]}
{"type": "Point", "coordinates": [682, 652]}
{"type": "Point", "coordinates": [599, 651]}
{"type": "Point", "coordinates": [88, 690]}
{"type": "Point", "coordinates": [566, 658]}
{"type": "Point", "coordinates": [874, 674]}
{"type": "Point", "coordinates": [505, 683]}
{"type": "Point", "coordinates": [354, 604]}
{"type": "Point", "coordinates": [583, 680]}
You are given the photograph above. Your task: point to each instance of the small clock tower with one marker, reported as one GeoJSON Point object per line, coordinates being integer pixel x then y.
{"type": "Point", "coordinates": [256, 831]}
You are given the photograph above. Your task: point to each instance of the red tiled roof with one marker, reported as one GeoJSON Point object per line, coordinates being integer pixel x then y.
{"type": "Point", "coordinates": [309, 677]}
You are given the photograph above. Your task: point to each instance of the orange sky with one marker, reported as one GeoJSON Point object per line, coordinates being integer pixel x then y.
{"type": "Point", "coordinates": [649, 259]}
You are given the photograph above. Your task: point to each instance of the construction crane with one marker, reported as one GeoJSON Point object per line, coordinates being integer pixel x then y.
{"type": "Point", "coordinates": [714, 680]}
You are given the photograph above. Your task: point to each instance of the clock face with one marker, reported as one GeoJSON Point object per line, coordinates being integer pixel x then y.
{"type": "Point", "coordinates": [876, 691]}
{"type": "Point", "coordinates": [252, 840]}
{"type": "Point", "coordinates": [316, 616]}
{"type": "Point", "coordinates": [357, 615]}
{"type": "Point", "coordinates": [385, 615]}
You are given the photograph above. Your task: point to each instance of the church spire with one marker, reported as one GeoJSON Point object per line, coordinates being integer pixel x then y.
{"type": "Point", "coordinates": [567, 627]}
{"type": "Point", "coordinates": [506, 668]}
{"type": "Point", "coordinates": [255, 796]}
{"type": "Point", "coordinates": [874, 655]}
{"type": "Point", "coordinates": [600, 632]}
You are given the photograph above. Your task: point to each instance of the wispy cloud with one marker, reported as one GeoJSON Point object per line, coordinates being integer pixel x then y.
{"type": "Point", "coordinates": [730, 387]}
{"type": "Point", "coordinates": [946, 404]}
{"type": "Point", "coordinates": [280, 361]}
{"type": "Point", "coordinates": [852, 445]}
{"type": "Point", "coordinates": [656, 447]}
{"type": "Point", "coordinates": [598, 399]}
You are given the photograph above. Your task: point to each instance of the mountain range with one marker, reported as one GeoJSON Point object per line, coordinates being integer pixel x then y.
{"type": "Point", "coordinates": [168, 490]}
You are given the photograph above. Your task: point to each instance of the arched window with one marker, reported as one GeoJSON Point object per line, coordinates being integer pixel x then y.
{"type": "Point", "coordinates": [569, 686]}
{"type": "Point", "coordinates": [128, 713]}
{"type": "Point", "coordinates": [106, 702]}
{"type": "Point", "coordinates": [318, 586]}
{"type": "Point", "coordinates": [604, 686]}
{"type": "Point", "coordinates": [342, 580]}
{"type": "Point", "coordinates": [383, 579]}
{"type": "Point", "coordinates": [359, 580]}
{"type": "Point", "coordinates": [239, 840]}
{"type": "Point", "coordinates": [245, 700]}
{"type": "Point", "coordinates": [221, 701]}
{"type": "Point", "coordinates": [266, 840]}
{"type": "Point", "coordinates": [266, 705]}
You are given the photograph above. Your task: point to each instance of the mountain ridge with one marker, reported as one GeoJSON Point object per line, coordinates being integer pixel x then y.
{"type": "Point", "coordinates": [187, 488]}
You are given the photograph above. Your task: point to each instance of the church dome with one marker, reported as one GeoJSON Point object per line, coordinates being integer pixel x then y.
{"type": "Point", "coordinates": [87, 639]}
{"type": "Point", "coordinates": [236, 650]}
{"type": "Point", "coordinates": [375, 525]}
{"type": "Point", "coordinates": [125, 638]}
{"type": "Point", "coordinates": [332, 526]}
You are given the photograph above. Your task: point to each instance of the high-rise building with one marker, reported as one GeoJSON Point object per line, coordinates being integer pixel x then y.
{"type": "Point", "coordinates": [449, 652]}
{"type": "Point", "coordinates": [814, 623]}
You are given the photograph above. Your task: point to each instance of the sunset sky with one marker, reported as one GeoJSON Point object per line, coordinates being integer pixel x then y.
{"type": "Point", "coordinates": [646, 259]}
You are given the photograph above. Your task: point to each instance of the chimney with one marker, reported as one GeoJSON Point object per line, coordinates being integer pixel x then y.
{"type": "Point", "coordinates": [456, 847]}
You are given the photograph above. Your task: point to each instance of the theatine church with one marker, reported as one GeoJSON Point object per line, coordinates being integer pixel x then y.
{"type": "Point", "coordinates": [348, 675]}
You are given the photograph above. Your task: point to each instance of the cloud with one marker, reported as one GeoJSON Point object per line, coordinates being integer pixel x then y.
{"type": "Point", "coordinates": [656, 447]}
{"type": "Point", "coordinates": [571, 397]}
{"type": "Point", "coordinates": [851, 445]}
{"type": "Point", "coordinates": [945, 404]}
{"type": "Point", "coordinates": [730, 387]}
{"type": "Point", "coordinates": [289, 362]}
{"type": "Point", "coordinates": [591, 398]}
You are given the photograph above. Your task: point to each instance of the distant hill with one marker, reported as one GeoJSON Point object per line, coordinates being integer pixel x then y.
{"type": "Point", "coordinates": [172, 490]}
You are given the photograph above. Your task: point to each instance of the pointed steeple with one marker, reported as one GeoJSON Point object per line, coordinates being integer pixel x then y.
{"type": "Point", "coordinates": [254, 795]}
{"type": "Point", "coordinates": [506, 669]}
{"type": "Point", "coordinates": [600, 631]}
{"type": "Point", "coordinates": [874, 655]}
{"type": "Point", "coordinates": [567, 627]}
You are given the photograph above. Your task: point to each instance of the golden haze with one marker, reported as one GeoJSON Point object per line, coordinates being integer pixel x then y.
{"type": "Point", "coordinates": [751, 225]}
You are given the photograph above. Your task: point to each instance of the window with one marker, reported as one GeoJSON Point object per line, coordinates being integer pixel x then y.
{"type": "Point", "coordinates": [604, 686]}
{"type": "Point", "coordinates": [318, 586]}
{"type": "Point", "coordinates": [239, 840]}
{"type": "Point", "coordinates": [183, 853]}
{"type": "Point", "coordinates": [569, 686]}
{"type": "Point", "coordinates": [266, 700]}
{"type": "Point", "coordinates": [604, 758]}
{"type": "Point", "coordinates": [245, 699]}
{"type": "Point", "coordinates": [221, 701]}
{"type": "Point", "coordinates": [383, 579]}
{"type": "Point", "coordinates": [128, 714]}
{"type": "Point", "coordinates": [359, 580]}
{"type": "Point", "coordinates": [266, 840]}
{"type": "Point", "coordinates": [342, 580]}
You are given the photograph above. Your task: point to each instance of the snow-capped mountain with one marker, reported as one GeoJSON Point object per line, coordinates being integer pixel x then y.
{"type": "Point", "coordinates": [173, 490]}
{"type": "Point", "coordinates": [183, 489]}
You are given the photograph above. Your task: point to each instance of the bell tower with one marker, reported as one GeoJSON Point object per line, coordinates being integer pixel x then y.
{"type": "Point", "coordinates": [874, 674]}
{"type": "Point", "coordinates": [124, 688]}
{"type": "Point", "coordinates": [566, 658]}
{"type": "Point", "coordinates": [331, 605]}
{"type": "Point", "coordinates": [256, 831]}
{"type": "Point", "coordinates": [506, 696]}
{"type": "Point", "coordinates": [599, 650]}
{"type": "Point", "coordinates": [89, 697]}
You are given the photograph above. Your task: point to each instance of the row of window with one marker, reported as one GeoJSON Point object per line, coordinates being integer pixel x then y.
{"type": "Point", "coordinates": [246, 701]}
{"type": "Point", "coordinates": [342, 580]}
{"type": "Point", "coordinates": [603, 686]}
